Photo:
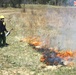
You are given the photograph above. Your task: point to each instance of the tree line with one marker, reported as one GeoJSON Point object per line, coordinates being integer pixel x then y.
{"type": "Point", "coordinates": [17, 3]}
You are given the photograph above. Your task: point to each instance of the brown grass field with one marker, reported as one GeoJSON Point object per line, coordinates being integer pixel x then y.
{"type": "Point", "coordinates": [38, 20]}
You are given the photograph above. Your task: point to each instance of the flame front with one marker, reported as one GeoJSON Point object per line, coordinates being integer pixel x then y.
{"type": "Point", "coordinates": [52, 56]}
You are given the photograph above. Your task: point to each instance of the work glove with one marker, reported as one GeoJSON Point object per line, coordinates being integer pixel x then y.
{"type": "Point", "coordinates": [7, 33]}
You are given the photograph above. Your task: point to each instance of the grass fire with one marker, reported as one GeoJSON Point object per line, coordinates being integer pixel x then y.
{"type": "Point", "coordinates": [51, 56]}
{"type": "Point", "coordinates": [42, 41]}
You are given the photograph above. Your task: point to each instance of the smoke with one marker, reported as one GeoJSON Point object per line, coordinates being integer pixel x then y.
{"type": "Point", "coordinates": [63, 20]}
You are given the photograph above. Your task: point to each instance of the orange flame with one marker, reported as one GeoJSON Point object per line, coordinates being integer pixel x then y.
{"type": "Point", "coordinates": [35, 41]}
{"type": "Point", "coordinates": [66, 55]}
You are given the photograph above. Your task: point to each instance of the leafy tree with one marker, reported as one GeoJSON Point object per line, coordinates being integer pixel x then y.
{"type": "Point", "coordinates": [15, 3]}
{"type": "Point", "coordinates": [42, 1]}
{"type": "Point", "coordinates": [1, 3]}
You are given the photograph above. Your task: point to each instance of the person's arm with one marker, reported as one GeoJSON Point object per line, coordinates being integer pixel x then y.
{"type": "Point", "coordinates": [4, 27]}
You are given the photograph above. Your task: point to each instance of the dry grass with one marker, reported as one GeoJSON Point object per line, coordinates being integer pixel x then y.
{"type": "Point", "coordinates": [19, 58]}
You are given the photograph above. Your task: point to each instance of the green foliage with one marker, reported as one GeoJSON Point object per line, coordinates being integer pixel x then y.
{"type": "Point", "coordinates": [17, 3]}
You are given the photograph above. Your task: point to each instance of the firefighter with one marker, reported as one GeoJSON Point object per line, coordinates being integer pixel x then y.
{"type": "Point", "coordinates": [2, 31]}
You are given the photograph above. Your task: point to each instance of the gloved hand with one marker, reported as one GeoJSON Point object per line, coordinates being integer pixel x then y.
{"type": "Point", "coordinates": [1, 33]}
{"type": "Point", "coordinates": [7, 33]}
